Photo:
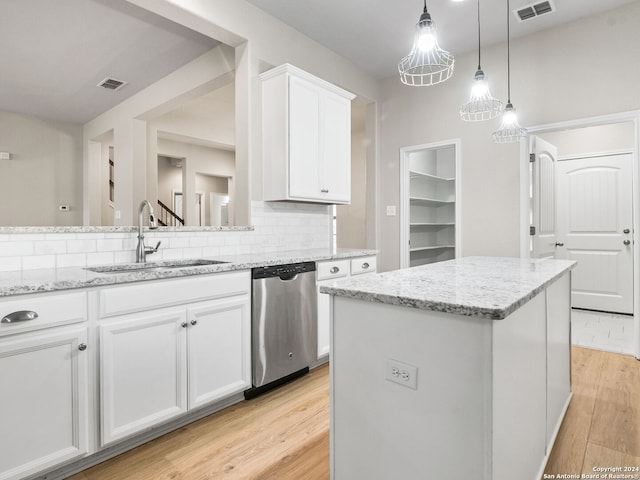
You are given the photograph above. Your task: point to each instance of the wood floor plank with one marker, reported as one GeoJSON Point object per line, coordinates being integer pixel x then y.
{"type": "Point", "coordinates": [602, 457]}
{"type": "Point", "coordinates": [617, 410]}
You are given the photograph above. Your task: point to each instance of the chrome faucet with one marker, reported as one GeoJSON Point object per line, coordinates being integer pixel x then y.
{"type": "Point", "coordinates": [142, 251]}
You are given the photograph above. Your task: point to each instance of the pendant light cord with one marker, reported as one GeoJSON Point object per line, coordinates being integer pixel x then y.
{"type": "Point", "coordinates": [508, 56]}
{"type": "Point", "coordinates": [479, 67]}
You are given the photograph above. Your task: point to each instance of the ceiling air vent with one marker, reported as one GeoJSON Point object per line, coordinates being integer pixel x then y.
{"type": "Point", "coordinates": [535, 10]}
{"type": "Point", "coordinates": [112, 84]}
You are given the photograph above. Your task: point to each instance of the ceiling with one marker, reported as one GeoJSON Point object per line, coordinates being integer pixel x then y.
{"type": "Point", "coordinates": [375, 35]}
{"type": "Point", "coordinates": [60, 50]}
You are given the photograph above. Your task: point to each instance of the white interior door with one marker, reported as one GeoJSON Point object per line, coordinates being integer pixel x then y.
{"type": "Point", "coordinates": [544, 198]}
{"type": "Point", "coordinates": [595, 226]}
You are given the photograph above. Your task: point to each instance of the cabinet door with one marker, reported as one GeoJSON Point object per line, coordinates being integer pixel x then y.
{"type": "Point", "coordinates": [142, 372]}
{"type": "Point", "coordinates": [335, 149]}
{"type": "Point", "coordinates": [219, 342]}
{"type": "Point", "coordinates": [43, 406]}
{"type": "Point", "coordinates": [304, 138]}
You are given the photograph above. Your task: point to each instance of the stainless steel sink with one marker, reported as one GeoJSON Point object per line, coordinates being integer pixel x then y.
{"type": "Point", "coordinates": [152, 266]}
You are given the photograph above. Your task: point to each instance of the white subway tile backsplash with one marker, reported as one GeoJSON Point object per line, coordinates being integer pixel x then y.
{"type": "Point", "coordinates": [51, 247]}
{"type": "Point", "coordinates": [8, 264]}
{"type": "Point", "coordinates": [277, 226]}
{"type": "Point", "coordinates": [38, 261]}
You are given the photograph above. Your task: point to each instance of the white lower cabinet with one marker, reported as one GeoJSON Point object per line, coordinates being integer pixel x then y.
{"type": "Point", "coordinates": [143, 369]}
{"type": "Point", "coordinates": [328, 272]}
{"type": "Point", "coordinates": [43, 405]}
{"type": "Point", "coordinates": [158, 364]}
{"type": "Point", "coordinates": [219, 347]}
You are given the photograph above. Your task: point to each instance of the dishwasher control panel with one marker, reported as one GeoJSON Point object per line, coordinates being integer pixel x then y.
{"type": "Point", "coordinates": [286, 270]}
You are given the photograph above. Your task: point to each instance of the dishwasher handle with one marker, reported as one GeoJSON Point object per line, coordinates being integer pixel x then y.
{"type": "Point", "coordinates": [287, 277]}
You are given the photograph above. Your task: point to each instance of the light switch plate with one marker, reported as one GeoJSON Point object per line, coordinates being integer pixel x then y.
{"type": "Point", "coordinates": [391, 210]}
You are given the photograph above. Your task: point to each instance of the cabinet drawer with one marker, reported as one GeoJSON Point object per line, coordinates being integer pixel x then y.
{"type": "Point", "coordinates": [51, 309]}
{"type": "Point", "coordinates": [333, 269]}
{"type": "Point", "coordinates": [363, 265]}
{"type": "Point", "coordinates": [163, 293]}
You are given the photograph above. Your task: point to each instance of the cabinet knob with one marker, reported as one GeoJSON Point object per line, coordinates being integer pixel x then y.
{"type": "Point", "coordinates": [627, 242]}
{"type": "Point", "coordinates": [194, 322]}
{"type": "Point", "coordinates": [324, 190]}
{"type": "Point", "coordinates": [334, 270]}
{"type": "Point", "coordinates": [365, 265]}
{"type": "Point", "coordinates": [559, 244]}
{"type": "Point", "coordinates": [82, 347]}
{"type": "Point", "coordinates": [626, 230]}
{"type": "Point", "coordinates": [184, 324]}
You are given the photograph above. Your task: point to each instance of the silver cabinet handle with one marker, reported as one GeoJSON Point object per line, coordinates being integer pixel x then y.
{"type": "Point", "coordinates": [559, 244]}
{"type": "Point", "coordinates": [324, 190]}
{"type": "Point", "coordinates": [82, 347]}
{"type": "Point", "coordinates": [184, 324]}
{"type": "Point", "coordinates": [20, 316]}
{"type": "Point", "coordinates": [334, 270]}
{"type": "Point", "coordinates": [626, 230]}
{"type": "Point", "coordinates": [627, 242]}
{"type": "Point", "coordinates": [365, 265]}
{"type": "Point", "coordinates": [194, 322]}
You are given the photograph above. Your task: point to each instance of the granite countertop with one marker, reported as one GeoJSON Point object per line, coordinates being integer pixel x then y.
{"type": "Point", "coordinates": [486, 287]}
{"type": "Point", "coordinates": [50, 280]}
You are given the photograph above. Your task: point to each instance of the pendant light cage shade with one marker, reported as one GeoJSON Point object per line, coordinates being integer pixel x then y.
{"type": "Point", "coordinates": [481, 105]}
{"type": "Point", "coordinates": [427, 64]}
{"type": "Point", "coordinates": [510, 130]}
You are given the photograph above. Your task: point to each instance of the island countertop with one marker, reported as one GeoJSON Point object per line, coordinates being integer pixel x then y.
{"type": "Point", "coordinates": [486, 287]}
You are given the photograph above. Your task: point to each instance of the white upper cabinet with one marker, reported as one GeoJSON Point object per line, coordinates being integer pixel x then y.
{"type": "Point", "coordinates": [306, 137]}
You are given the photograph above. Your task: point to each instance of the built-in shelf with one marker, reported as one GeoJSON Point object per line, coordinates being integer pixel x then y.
{"type": "Point", "coordinates": [432, 202]}
{"type": "Point", "coordinates": [431, 224]}
{"type": "Point", "coordinates": [431, 194]}
{"type": "Point", "coordinates": [431, 247]}
{"type": "Point", "coordinates": [415, 174]}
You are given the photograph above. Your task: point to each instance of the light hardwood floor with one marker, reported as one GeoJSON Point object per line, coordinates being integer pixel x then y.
{"type": "Point", "coordinates": [602, 425]}
{"type": "Point", "coordinates": [284, 434]}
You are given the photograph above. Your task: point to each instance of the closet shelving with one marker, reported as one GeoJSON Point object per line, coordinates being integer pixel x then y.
{"type": "Point", "coordinates": [432, 205]}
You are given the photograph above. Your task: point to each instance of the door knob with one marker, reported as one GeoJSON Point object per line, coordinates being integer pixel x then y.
{"type": "Point", "coordinates": [627, 242]}
{"type": "Point", "coordinates": [559, 244]}
{"type": "Point", "coordinates": [626, 230]}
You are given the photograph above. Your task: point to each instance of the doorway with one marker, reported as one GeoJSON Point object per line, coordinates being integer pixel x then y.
{"type": "Point", "coordinates": [583, 188]}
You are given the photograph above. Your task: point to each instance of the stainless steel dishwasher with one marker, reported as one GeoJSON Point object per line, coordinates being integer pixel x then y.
{"type": "Point", "coordinates": [284, 324]}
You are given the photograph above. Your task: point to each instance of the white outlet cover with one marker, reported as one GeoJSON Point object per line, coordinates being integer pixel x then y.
{"type": "Point", "coordinates": [401, 373]}
{"type": "Point", "coordinates": [391, 210]}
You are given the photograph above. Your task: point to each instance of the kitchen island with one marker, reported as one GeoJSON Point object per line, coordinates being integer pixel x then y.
{"type": "Point", "coordinates": [454, 370]}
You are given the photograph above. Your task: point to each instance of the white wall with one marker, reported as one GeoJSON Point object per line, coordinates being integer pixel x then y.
{"type": "Point", "coordinates": [593, 140]}
{"type": "Point", "coordinates": [351, 220]}
{"type": "Point", "coordinates": [556, 75]}
{"type": "Point", "coordinates": [45, 171]}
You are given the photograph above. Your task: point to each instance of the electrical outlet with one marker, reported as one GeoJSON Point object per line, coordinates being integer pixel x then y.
{"type": "Point", "coordinates": [402, 374]}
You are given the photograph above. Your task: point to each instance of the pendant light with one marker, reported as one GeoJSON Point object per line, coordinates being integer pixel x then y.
{"type": "Point", "coordinates": [426, 64]}
{"type": "Point", "coordinates": [510, 130]}
{"type": "Point", "coordinates": [481, 105]}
